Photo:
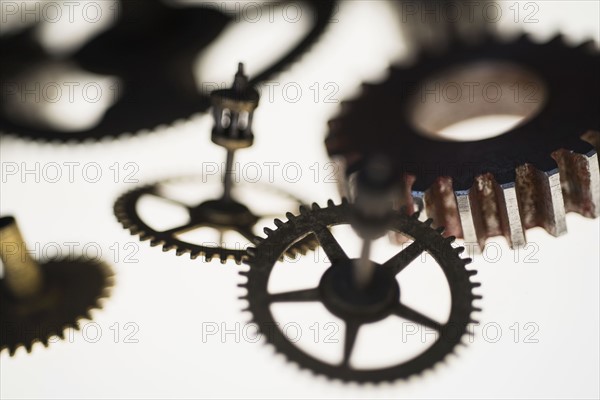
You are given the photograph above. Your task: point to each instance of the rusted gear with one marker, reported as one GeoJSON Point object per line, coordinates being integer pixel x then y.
{"type": "Point", "coordinates": [529, 176]}
{"type": "Point", "coordinates": [38, 301]}
{"type": "Point", "coordinates": [219, 214]}
{"type": "Point", "coordinates": [355, 306]}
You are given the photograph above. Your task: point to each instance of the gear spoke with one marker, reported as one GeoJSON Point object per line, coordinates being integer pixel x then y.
{"type": "Point", "coordinates": [328, 242]}
{"type": "Point", "coordinates": [416, 317]}
{"type": "Point", "coordinates": [404, 257]}
{"type": "Point", "coordinates": [169, 200]}
{"type": "Point", "coordinates": [182, 228]}
{"type": "Point", "coordinates": [248, 234]}
{"type": "Point", "coordinates": [352, 328]}
{"type": "Point", "coordinates": [295, 296]}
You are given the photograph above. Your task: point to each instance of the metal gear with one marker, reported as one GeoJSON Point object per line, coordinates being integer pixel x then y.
{"type": "Point", "coordinates": [529, 176]}
{"type": "Point", "coordinates": [72, 288]}
{"type": "Point", "coordinates": [220, 214]}
{"type": "Point", "coordinates": [156, 73]}
{"type": "Point", "coordinates": [38, 301]}
{"type": "Point", "coordinates": [356, 307]}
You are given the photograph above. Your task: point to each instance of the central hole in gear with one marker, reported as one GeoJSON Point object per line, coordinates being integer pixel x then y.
{"type": "Point", "coordinates": [476, 101]}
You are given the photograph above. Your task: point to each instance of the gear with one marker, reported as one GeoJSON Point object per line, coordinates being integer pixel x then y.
{"type": "Point", "coordinates": [156, 73]}
{"type": "Point", "coordinates": [220, 214]}
{"type": "Point", "coordinates": [529, 176]}
{"type": "Point", "coordinates": [356, 307]}
{"type": "Point", "coordinates": [72, 288]}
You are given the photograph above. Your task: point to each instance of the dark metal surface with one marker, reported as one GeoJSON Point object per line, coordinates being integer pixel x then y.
{"type": "Point", "coordinates": [151, 50]}
{"type": "Point", "coordinates": [526, 159]}
{"type": "Point", "coordinates": [72, 288]}
{"type": "Point", "coordinates": [356, 307]}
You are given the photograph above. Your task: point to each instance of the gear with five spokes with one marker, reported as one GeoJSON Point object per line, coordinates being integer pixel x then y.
{"type": "Point", "coordinates": [356, 307]}
{"type": "Point", "coordinates": [222, 215]}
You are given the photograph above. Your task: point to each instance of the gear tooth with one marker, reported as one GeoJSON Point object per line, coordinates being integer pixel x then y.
{"type": "Point", "coordinates": [180, 251]}
{"type": "Point", "coordinates": [145, 236]}
{"type": "Point", "coordinates": [514, 232]}
{"type": "Point", "coordinates": [238, 258]}
{"type": "Point", "coordinates": [223, 258]}
{"type": "Point", "coordinates": [155, 242]}
{"type": "Point", "coordinates": [477, 309]}
{"type": "Point", "coordinates": [330, 203]}
{"type": "Point", "coordinates": [440, 229]}
{"type": "Point", "coordinates": [540, 198]}
{"type": "Point", "coordinates": [278, 223]}
{"type": "Point", "coordinates": [557, 40]}
{"type": "Point", "coordinates": [194, 254]}
{"type": "Point", "coordinates": [428, 221]}
{"type": "Point", "coordinates": [251, 251]}
{"type": "Point", "coordinates": [450, 239]}
{"type": "Point", "coordinates": [524, 38]}
{"type": "Point", "coordinates": [344, 201]}
{"type": "Point", "coordinates": [303, 210]}
{"type": "Point", "coordinates": [290, 216]}
{"type": "Point", "coordinates": [475, 284]}
{"type": "Point", "coordinates": [459, 250]}
{"type": "Point", "coordinates": [477, 297]}
{"type": "Point", "coordinates": [415, 215]}
{"type": "Point", "coordinates": [588, 45]}
{"type": "Point", "coordinates": [316, 206]}
{"type": "Point", "coordinates": [472, 272]}
{"type": "Point", "coordinates": [244, 273]}
{"type": "Point", "coordinates": [467, 260]}
{"type": "Point", "coordinates": [474, 321]}
{"type": "Point", "coordinates": [268, 231]}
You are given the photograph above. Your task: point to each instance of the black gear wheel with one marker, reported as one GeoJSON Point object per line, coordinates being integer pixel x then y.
{"type": "Point", "coordinates": [215, 213]}
{"type": "Point", "coordinates": [338, 294]}
{"type": "Point", "coordinates": [72, 288]}
{"type": "Point", "coordinates": [501, 185]}
{"type": "Point", "coordinates": [156, 72]}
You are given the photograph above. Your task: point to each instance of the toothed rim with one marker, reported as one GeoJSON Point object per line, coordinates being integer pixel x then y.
{"type": "Point", "coordinates": [263, 258]}
{"type": "Point", "coordinates": [538, 171]}
{"type": "Point", "coordinates": [125, 210]}
{"type": "Point", "coordinates": [80, 287]}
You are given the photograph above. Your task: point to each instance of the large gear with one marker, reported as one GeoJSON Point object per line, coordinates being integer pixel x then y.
{"type": "Point", "coordinates": [218, 214]}
{"type": "Point", "coordinates": [354, 306]}
{"type": "Point", "coordinates": [156, 73]}
{"type": "Point", "coordinates": [529, 176]}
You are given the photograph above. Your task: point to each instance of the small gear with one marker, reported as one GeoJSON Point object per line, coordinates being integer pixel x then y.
{"type": "Point", "coordinates": [354, 306]}
{"type": "Point", "coordinates": [529, 176]}
{"type": "Point", "coordinates": [155, 74]}
{"type": "Point", "coordinates": [38, 301]}
{"type": "Point", "coordinates": [219, 214]}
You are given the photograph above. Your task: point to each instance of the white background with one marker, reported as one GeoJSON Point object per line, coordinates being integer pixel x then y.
{"type": "Point", "coordinates": [171, 299]}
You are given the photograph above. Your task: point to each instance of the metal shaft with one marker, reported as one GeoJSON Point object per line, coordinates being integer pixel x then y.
{"type": "Point", "coordinates": [228, 178]}
{"type": "Point", "coordinates": [22, 275]}
{"type": "Point", "coordinates": [363, 268]}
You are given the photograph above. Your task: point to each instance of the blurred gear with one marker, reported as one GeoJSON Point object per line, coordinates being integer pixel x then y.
{"type": "Point", "coordinates": [529, 176]}
{"type": "Point", "coordinates": [151, 51]}
{"type": "Point", "coordinates": [38, 301]}
{"type": "Point", "coordinates": [357, 306]}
